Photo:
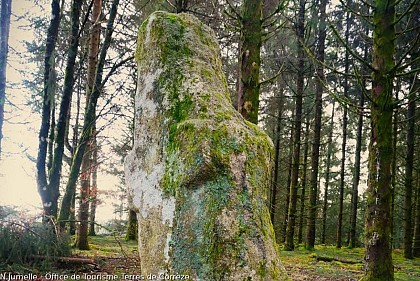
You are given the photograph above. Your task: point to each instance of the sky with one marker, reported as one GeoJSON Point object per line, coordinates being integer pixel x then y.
{"type": "Point", "coordinates": [20, 142]}
{"type": "Point", "coordinates": [17, 174]}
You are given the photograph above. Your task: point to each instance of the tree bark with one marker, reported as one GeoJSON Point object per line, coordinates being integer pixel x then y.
{"type": "Point", "coordinates": [344, 141]}
{"type": "Point", "coordinates": [276, 159]}
{"type": "Point", "coordinates": [416, 244]}
{"type": "Point", "coordinates": [378, 256]}
{"type": "Point", "coordinates": [327, 177]}
{"type": "Point", "coordinates": [394, 169]}
{"type": "Point", "coordinates": [248, 88]}
{"type": "Point", "coordinates": [72, 211]}
{"type": "Point", "coordinates": [288, 182]}
{"type": "Point", "coordinates": [49, 195]}
{"type": "Point", "coordinates": [313, 186]}
{"type": "Point", "coordinates": [291, 220]}
{"type": "Point", "coordinates": [304, 176]}
{"type": "Point", "coordinates": [87, 163]}
{"type": "Point", "coordinates": [356, 179]}
{"type": "Point", "coordinates": [6, 11]}
{"type": "Point", "coordinates": [94, 187]}
{"type": "Point", "coordinates": [408, 182]}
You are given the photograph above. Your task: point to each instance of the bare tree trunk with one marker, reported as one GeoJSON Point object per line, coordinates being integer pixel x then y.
{"type": "Point", "coordinates": [394, 169]}
{"type": "Point", "coordinates": [49, 194]}
{"type": "Point", "coordinates": [287, 191]}
{"type": "Point", "coordinates": [313, 186]}
{"type": "Point", "coordinates": [94, 187]}
{"type": "Point", "coordinates": [6, 11]}
{"type": "Point", "coordinates": [408, 183]}
{"type": "Point", "coordinates": [327, 176]}
{"type": "Point", "coordinates": [304, 176]}
{"type": "Point", "coordinates": [344, 141]}
{"type": "Point", "coordinates": [276, 158]}
{"type": "Point", "coordinates": [416, 246]}
{"type": "Point", "coordinates": [72, 211]}
{"type": "Point", "coordinates": [87, 163]}
{"type": "Point", "coordinates": [356, 179]}
{"type": "Point", "coordinates": [291, 220]}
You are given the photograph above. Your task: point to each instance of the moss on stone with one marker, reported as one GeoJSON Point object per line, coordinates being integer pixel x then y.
{"type": "Point", "coordinates": [216, 165]}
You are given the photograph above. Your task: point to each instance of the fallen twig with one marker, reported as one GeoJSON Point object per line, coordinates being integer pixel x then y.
{"type": "Point", "coordinates": [330, 259]}
{"type": "Point", "coordinates": [74, 260]}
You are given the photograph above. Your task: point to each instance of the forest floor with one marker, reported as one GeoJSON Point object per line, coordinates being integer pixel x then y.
{"type": "Point", "coordinates": [113, 256]}
{"type": "Point", "coordinates": [327, 263]}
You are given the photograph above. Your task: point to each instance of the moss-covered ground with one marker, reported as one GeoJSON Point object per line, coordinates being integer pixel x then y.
{"type": "Point", "coordinates": [327, 263]}
{"type": "Point", "coordinates": [114, 255]}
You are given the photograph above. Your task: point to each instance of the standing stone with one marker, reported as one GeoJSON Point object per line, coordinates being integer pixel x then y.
{"type": "Point", "coordinates": [198, 173]}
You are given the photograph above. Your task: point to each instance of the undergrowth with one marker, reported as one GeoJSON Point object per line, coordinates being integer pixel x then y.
{"type": "Point", "coordinates": [23, 242]}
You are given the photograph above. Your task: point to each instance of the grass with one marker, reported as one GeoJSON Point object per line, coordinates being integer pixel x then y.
{"type": "Point", "coordinates": [345, 265]}
{"type": "Point", "coordinates": [114, 255]}
{"type": "Point", "coordinates": [109, 246]}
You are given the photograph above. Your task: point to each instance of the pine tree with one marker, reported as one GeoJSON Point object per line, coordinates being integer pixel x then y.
{"type": "Point", "coordinates": [313, 190]}
{"type": "Point", "coordinates": [297, 128]}
{"type": "Point", "coordinates": [379, 265]}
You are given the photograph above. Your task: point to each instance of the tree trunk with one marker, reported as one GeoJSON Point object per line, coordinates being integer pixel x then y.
{"type": "Point", "coordinates": [248, 88]}
{"type": "Point", "coordinates": [344, 141]}
{"type": "Point", "coordinates": [288, 182]}
{"type": "Point", "coordinates": [72, 211]}
{"type": "Point", "coordinates": [291, 220]}
{"type": "Point", "coordinates": [394, 169]}
{"type": "Point", "coordinates": [51, 136]}
{"type": "Point", "coordinates": [49, 195]}
{"type": "Point", "coordinates": [90, 116]}
{"type": "Point", "coordinates": [72, 215]}
{"type": "Point", "coordinates": [87, 163]}
{"type": "Point", "coordinates": [342, 180]}
{"type": "Point", "coordinates": [408, 183]}
{"type": "Point", "coordinates": [356, 179]}
{"type": "Point", "coordinates": [327, 177]}
{"type": "Point", "coordinates": [132, 227]}
{"type": "Point", "coordinates": [276, 159]}
{"type": "Point", "coordinates": [55, 174]}
{"type": "Point", "coordinates": [313, 190]}
{"type": "Point", "coordinates": [94, 187]}
{"type": "Point", "coordinates": [6, 11]}
{"type": "Point", "coordinates": [302, 195]}
{"type": "Point", "coordinates": [378, 256]}
{"type": "Point", "coordinates": [416, 246]}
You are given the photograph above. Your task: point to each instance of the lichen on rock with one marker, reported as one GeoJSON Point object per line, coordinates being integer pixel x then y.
{"type": "Point", "coordinates": [198, 172]}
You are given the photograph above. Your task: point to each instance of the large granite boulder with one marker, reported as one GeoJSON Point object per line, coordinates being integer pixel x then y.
{"type": "Point", "coordinates": [198, 172]}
